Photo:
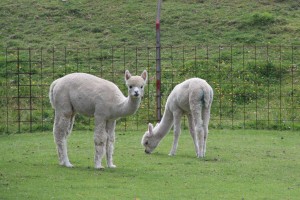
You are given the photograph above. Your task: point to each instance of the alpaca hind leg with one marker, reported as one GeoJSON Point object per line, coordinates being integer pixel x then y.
{"type": "Point", "coordinates": [177, 128]}
{"type": "Point", "coordinates": [201, 141]}
{"type": "Point", "coordinates": [206, 117]}
{"type": "Point", "coordinates": [197, 116]}
{"type": "Point", "coordinates": [193, 133]}
{"type": "Point", "coordinates": [61, 128]}
{"type": "Point", "coordinates": [100, 138]}
{"type": "Point", "coordinates": [110, 128]}
{"type": "Point", "coordinates": [72, 119]}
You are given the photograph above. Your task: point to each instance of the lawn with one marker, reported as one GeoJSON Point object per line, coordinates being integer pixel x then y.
{"type": "Point", "coordinates": [240, 164]}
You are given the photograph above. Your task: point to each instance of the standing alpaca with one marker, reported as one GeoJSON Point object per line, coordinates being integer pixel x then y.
{"type": "Point", "coordinates": [192, 97]}
{"type": "Point", "coordinates": [93, 96]}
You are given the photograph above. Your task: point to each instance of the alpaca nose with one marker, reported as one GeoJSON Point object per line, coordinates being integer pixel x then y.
{"type": "Point", "coordinates": [136, 93]}
{"type": "Point", "coordinates": [147, 152]}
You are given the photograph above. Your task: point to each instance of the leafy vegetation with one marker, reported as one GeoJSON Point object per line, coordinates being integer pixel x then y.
{"type": "Point", "coordinates": [247, 50]}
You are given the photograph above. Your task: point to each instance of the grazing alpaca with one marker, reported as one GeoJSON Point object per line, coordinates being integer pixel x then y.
{"type": "Point", "coordinates": [93, 96]}
{"type": "Point", "coordinates": [192, 97]}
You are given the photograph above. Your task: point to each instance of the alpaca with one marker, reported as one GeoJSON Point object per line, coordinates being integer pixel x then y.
{"type": "Point", "coordinates": [92, 96]}
{"type": "Point", "coordinates": [192, 97]}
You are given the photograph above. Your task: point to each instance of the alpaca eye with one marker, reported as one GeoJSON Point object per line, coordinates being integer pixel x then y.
{"type": "Point", "coordinates": [142, 87]}
{"type": "Point", "coordinates": [146, 143]}
{"type": "Point", "coordinates": [130, 86]}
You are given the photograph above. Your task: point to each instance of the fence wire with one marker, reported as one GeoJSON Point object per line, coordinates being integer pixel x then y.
{"type": "Point", "coordinates": [256, 87]}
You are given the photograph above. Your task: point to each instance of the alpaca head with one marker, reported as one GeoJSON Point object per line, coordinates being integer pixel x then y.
{"type": "Point", "coordinates": [149, 141]}
{"type": "Point", "coordinates": [135, 84]}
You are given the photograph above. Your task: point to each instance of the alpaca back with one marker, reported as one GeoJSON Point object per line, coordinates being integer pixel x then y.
{"type": "Point", "coordinates": [191, 91]}
{"type": "Point", "coordinates": [84, 93]}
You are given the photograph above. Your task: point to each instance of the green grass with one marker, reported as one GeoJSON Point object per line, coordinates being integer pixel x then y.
{"type": "Point", "coordinates": [31, 23]}
{"type": "Point", "coordinates": [239, 165]}
{"type": "Point", "coordinates": [241, 73]}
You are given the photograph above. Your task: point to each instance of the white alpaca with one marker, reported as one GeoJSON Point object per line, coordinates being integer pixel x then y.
{"type": "Point", "coordinates": [93, 96]}
{"type": "Point", "coordinates": [192, 97]}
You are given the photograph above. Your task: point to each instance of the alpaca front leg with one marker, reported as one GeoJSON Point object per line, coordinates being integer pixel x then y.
{"type": "Point", "coordinates": [109, 153]}
{"type": "Point", "coordinates": [177, 129]}
{"type": "Point", "coordinates": [100, 143]}
{"type": "Point", "coordinates": [100, 138]}
{"type": "Point", "coordinates": [110, 127]}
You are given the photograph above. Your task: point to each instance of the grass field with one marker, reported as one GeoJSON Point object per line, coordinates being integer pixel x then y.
{"type": "Point", "coordinates": [240, 164]}
{"type": "Point", "coordinates": [85, 23]}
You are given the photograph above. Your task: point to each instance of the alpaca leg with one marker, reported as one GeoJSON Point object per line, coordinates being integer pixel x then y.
{"type": "Point", "coordinates": [177, 129]}
{"type": "Point", "coordinates": [72, 119]}
{"type": "Point", "coordinates": [100, 138]}
{"type": "Point", "coordinates": [197, 116]}
{"type": "Point", "coordinates": [110, 128]}
{"type": "Point", "coordinates": [60, 130]}
{"type": "Point", "coordinates": [193, 133]}
{"type": "Point", "coordinates": [206, 117]}
{"type": "Point", "coordinates": [200, 135]}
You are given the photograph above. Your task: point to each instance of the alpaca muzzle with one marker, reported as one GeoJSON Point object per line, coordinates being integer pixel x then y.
{"type": "Point", "coordinates": [147, 152]}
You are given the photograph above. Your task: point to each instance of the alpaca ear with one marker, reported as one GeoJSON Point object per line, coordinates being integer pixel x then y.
{"type": "Point", "coordinates": [144, 75]}
{"type": "Point", "coordinates": [150, 129]}
{"type": "Point", "coordinates": [127, 75]}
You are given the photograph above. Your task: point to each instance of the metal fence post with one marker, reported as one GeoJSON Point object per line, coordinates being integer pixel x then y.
{"type": "Point", "coordinates": [158, 64]}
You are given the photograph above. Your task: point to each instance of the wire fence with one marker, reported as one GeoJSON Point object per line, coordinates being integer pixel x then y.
{"type": "Point", "coordinates": [256, 87]}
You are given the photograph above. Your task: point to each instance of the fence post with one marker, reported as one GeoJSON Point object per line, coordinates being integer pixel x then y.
{"type": "Point", "coordinates": [158, 64]}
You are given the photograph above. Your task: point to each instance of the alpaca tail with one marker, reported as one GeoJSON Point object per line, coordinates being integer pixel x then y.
{"type": "Point", "coordinates": [208, 95]}
{"type": "Point", "coordinates": [51, 97]}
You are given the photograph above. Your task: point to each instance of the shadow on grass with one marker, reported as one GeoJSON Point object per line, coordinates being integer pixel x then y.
{"type": "Point", "coordinates": [189, 157]}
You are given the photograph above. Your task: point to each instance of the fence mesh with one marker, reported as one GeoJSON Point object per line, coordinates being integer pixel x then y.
{"type": "Point", "coordinates": [255, 86]}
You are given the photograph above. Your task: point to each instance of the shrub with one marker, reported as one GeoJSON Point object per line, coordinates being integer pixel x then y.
{"type": "Point", "coordinates": [262, 19]}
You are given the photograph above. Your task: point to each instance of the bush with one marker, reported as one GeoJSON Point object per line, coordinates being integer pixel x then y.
{"type": "Point", "coordinates": [262, 19]}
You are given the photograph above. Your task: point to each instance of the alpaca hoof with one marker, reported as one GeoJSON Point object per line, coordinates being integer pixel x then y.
{"type": "Point", "coordinates": [66, 164]}
{"type": "Point", "coordinates": [99, 167]}
{"type": "Point", "coordinates": [200, 155]}
{"type": "Point", "coordinates": [112, 166]}
{"type": "Point", "coordinates": [171, 154]}
{"type": "Point", "coordinates": [69, 165]}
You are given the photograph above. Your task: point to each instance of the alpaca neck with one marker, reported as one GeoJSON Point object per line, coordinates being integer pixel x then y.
{"type": "Point", "coordinates": [128, 107]}
{"type": "Point", "coordinates": [165, 125]}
